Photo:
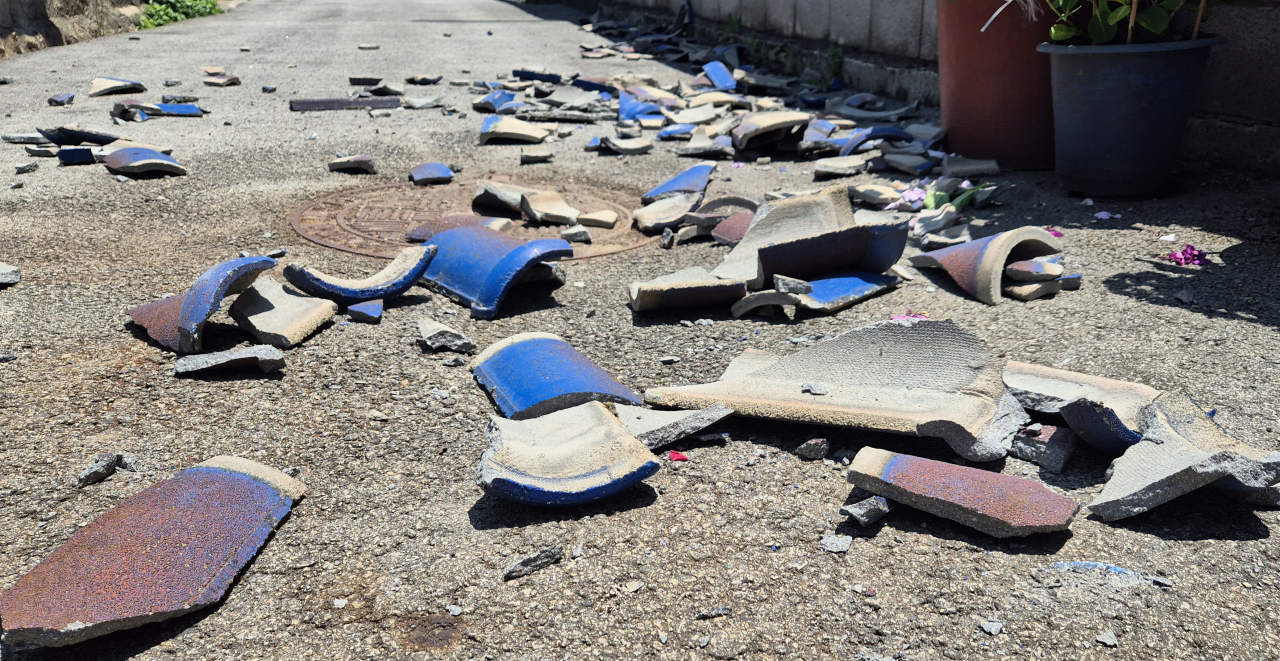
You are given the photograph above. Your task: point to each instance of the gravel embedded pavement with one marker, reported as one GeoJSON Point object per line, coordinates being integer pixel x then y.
{"type": "Point", "coordinates": [396, 553]}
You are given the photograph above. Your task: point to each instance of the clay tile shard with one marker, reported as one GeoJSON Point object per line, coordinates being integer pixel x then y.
{"type": "Point", "coordinates": [686, 288]}
{"type": "Point", "coordinates": [363, 81]}
{"type": "Point", "coordinates": [221, 81]}
{"type": "Point", "coordinates": [439, 336]}
{"type": "Point", "coordinates": [368, 312]}
{"type": "Point", "coordinates": [840, 166]}
{"type": "Point", "coordinates": [919, 377]}
{"type": "Point", "coordinates": [431, 173]}
{"type": "Point", "coordinates": [61, 99]}
{"type": "Point", "coordinates": [9, 275]}
{"type": "Point", "coordinates": [278, 315]}
{"type": "Point", "coordinates": [811, 235]}
{"type": "Point", "coordinates": [1104, 412]}
{"type": "Point", "coordinates": [731, 230]}
{"type": "Point", "coordinates": [568, 457]}
{"type": "Point", "coordinates": [478, 265]}
{"type": "Point", "coordinates": [266, 358]}
{"type": "Point", "coordinates": [863, 136]}
{"type": "Point", "coordinates": [720, 76]}
{"type": "Point", "coordinates": [138, 160]}
{"type": "Point", "coordinates": [1030, 291]}
{"type": "Point", "coordinates": [605, 218]}
{"type": "Point", "coordinates": [978, 266]}
{"type": "Point", "coordinates": [76, 156]}
{"type": "Point", "coordinates": [1045, 445]}
{"type": "Point", "coordinates": [177, 322]}
{"type": "Point", "coordinates": [998, 505]}
{"type": "Point", "coordinates": [345, 103]}
{"type": "Point", "coordinates": [626, 147]}
{"type": "Point", "coordinates": [105, 86]}
{"type": "Point", "coordinates": [763, 127]}
{"type": "Point", "coordinates": [492, 101]}
{"type": "Point", "coordinates": [499, 195]}
{"type": "Point", "coordinates": [401, 274]}
{"type": "Point", "coordinates": [171, 549]}
{"type": "Point", "coordinates": [830, 294]}
{"type": "Point", "coordinates": [548, 207]}
{"type": "Point", "coordinates": [659, 428]}
{"type": "Point", "coordinates": [386, 89]}
{"type": "Point", "coordinates": [510, 128]}
{"type": "Point", "coordinates": [74, 135]}
{"type": "Point", "coordinates": [677, 132]}
{"type": "Point", "coordinates": [692, 180]}
{"type": "Point", "coordinates": [533, 374]}
{"type": "Point", "coordinates": [666, 212]}
{"type": "Point", "coordinates": [1182, 449]}
{"type": "Point", "coordinates": [541, 76]}
{"type": "Point", "coordinates": [358, 164]}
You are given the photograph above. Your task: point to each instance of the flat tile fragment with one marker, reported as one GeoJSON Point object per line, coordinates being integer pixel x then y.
{"type": "Point", "coordinates": [665, 212]}
{"type": "Point", "coordinates": [368, 312]}
{"type": "Point", "coordinates": [548, 207]}
{"type": "Point", "coordinates": [9, 275]}
{"type": "Point", "coordinates": [1104, 412]}
{"type": "Point", "coordinates": [431, 173]}
{"type": "Point", "coordinates": [998, 505]}
{"type": "Point", "coordinates": [432, 227]}
{"type": "Point", "coordinates": [279, 315]}
{"type": "Point", "coordinates": [659, 428]}
{"type": "Point", "coordinates": [532, 374]}
{"type": "Point", "coordinates": [264, 357]}
{"type": "Point", "coordinates": [694, 180]}
{"type": "Point", "coordinates": [173, 548]}
{"type": "Point", "coordinates": [439, 336]}
{"type": "Point", "coordinates": [358, 164]}
{"type": "Point", "coordinates": [1046, 445]}
{"type": "Point", "coordinates": [826, 295]}
{"type": "Point", "coordinates": [510, 128]}
{"type": "Point", "coordinates": [105, 86]}
{"type": "Point", "coordinates": [138, 160]}
{"type": "Point", "coordinates": [344, 103]}
{"type": "Point", "coordinates": [394, 280]}
{"type": "Point", "coordinates": [686, 288]}
{"type": "Point", "coordinates": [500, 196]}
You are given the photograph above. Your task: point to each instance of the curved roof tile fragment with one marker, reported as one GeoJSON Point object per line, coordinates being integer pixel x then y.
{"type": "Point", "coordinates": [479, 265]}
{"type": "Point", "coordinates": [177, 322]}
{"type": "Point", "coordinates": [392, 281]}
{"type": "Point", "coordinates": [978, 266]}
{"type": "Point", "coordinates": [533, 374]}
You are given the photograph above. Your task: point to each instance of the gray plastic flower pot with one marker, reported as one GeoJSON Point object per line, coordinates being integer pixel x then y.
{"type": "Point", "coordinates": [1120, 111]}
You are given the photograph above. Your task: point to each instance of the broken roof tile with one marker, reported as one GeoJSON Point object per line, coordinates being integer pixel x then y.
{"type": "Point", "coordinates": [659, 428]}
{"type": "Point", "coordinates": [570, 457]}
{"type": "Point", "coordinates": [692, 180]}
{"type": "Point", "coordinates": [401, 274]}
{"type": "Point", "coordinates": [493, 100]}
{"type": "Point", "coordinates": [763, 127]}
{"type": "Point", "coordinates": [1104, 412]}
{"type": "Point", "coordinates": [829, 294]}
{"type": "Point", "coordinates": [721, 78]}
{"type": "Point", "coordinates": [221, 81]}
{"type": "Point", "coordinates": [173, 548]}
{"type": "Point", "coordinates": [344, 103]}
{"type": "Point", "coordinates": [1046, 445]}
{"type": "Point", "coordinates": [500, 195]}
{"type": "Point", "coordinates": [665, 212]}
{"type": "Point", "coordinates": [731, 230]}
{"type": "Point", "coordinates": [690, 287]}
{"type": "Point", "coordinates": [139, 160]}
{"type": "Point", "coordinates": [921, 377]}
{"type": "Point", "coordinates": [978, 266]}
{"type": "Point", "coordinates": [354, 165]}
{"type": "Point", "coordinates": [548, 207]}
{"type": "Point", "coordinates": [105, 86]}
{"type": "Point", "coordinates": [279, 315]}
{"type": "Point", "coordinates": [368, 312]}
{"type": "Point", "coordinates": [479, 265]}
{"type": "Point", "coordinates": [510, 128]}
{"type": "Point", "coordinates": [626, 147]}
{"type": "Point", "coordinates": [533, 374]}
{"type": "Point", "coordinates": [999, 505]}
{"type": "Point", "coordinates": [177, 322]}
{"type": "Point", "coordinates": [65, 99]}
{"type": "Point", "coordinates": [431, 173]}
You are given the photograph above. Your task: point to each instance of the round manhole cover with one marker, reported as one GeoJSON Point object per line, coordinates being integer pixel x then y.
{"type": "Point", "coordinates": [374, 220]}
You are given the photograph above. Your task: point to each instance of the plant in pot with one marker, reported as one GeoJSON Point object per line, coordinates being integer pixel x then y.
{"type": "Point", "coordinates": [1124, 76]}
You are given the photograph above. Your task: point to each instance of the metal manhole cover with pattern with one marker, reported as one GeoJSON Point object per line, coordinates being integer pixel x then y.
{"type": "Point", "coordinates": [374, 220]}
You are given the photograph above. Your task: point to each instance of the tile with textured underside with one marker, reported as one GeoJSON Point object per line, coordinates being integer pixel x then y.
{"type": "Point", "coordinates": [266, 358]}
{"type": "Point", "coordinates": [810, 235]}
{"type": "Point", "coordinates": [998, 505]}
{"type": "Point", "coordinates": [570, 457]}
{"type": "Point", "coordinates": [171, 549]}
{"type": "Point", "coordinates": [105, 86]}
{"type": "Point", "coordinates": [280, 315]}
{"type": "Point", "coordinates": [978, 266]}
{"type": "Point", "coordinates": [1182, 449]}
{"type": "Point", "coordinates": [478, 265]}
{"type": "Point", "coordinates": [658, 428]}
{"type": "Point", "coordinates": [666, 212]}
{"type": "Point", "coordinates": [431, 173]}
{"type": "Point", "coordinates": [430, 228]}
{"type": "Point", "coordinates": [760, 128]}
{"type": "Point", "coordinates": [694, 180]}
{"type": "Point", "coordinates": [177, 322]}
{"type": "Point", "coordinates": [368, 312]}
{"type": "Point", "coordinates": [533, 374]}
{"type": "Point", "coordinates": [692, 287]}
{"type": "Point", "coordinates": [510, 128]}
{"type": "Point", "coordinates": [396, 279]}
{"type": "Point", "coordinates": [137, 160]}
{"type": "Point", "coordinates": [1104, 412]}
{"type": "Point", "coordinates": [917, 377]}
{"type": "Point", "coordinates": [345, 103]}
{"type": "Point", "coordinates": [830, 294]}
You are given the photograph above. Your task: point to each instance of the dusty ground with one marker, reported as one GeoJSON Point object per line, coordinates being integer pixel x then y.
{"type": "Point", "coordinates": [394, 523]}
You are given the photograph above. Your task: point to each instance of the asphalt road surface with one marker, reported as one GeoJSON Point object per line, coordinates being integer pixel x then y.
{"type": "Point", "coordinates": [394, 525]}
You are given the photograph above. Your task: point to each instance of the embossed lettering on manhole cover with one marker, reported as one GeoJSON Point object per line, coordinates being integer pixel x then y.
{"type": "Point", "coordinates": [373, 221]}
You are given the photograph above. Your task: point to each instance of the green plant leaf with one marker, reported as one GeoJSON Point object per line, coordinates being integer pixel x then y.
{"type": "Point", "coordinates": [1070, 6]}
{"type": "Point", "coordinates": [1100, 31]}
{"type": "Point", "coordinates": [1154, 19]}
{"type": "Point", "coordinates": [1062, 32]}
{"type": "Point", "coordinates": [1171, 5]}
{"type": "Point", "coordinates": [1121, 13]}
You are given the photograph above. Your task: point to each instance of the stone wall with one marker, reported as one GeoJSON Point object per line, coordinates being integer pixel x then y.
{"type": "Point", "coordinates": [27, 25]}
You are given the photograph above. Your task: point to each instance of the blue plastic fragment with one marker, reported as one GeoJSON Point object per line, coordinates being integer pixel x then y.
{"type": "Point", "coordinates": [534, 75]}
{"type": "Point", "coordinates": [629, 107]}
{"type": "Point", "coordinates": [479, 265]}
{"type": "Point", "coordinates": [533, 374]}
{"type": "Point", "coordinates": [876, 133]}
{"type": "Point", "coordinates": [401, 274]}
{"type": "Point", "coordinates": [720, 76]}
{"type": "Point", "coordinates": [76, 156]}
{"type": "Point", "coordinates": [431, 173]}
{"type": "Point", "coordinates": [670, 132]}
{"type": "Point", "coordinates": [692, 180]}
{"type": "Point", "coordinates": [591, 86]}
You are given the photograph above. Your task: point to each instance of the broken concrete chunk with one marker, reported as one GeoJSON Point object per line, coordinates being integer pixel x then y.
{"type": "Point", "coordinates": [659, 428]}
{"type": "Point", "coordinates": [102, 467]}
{"type": "Point", "coordinates": [868, 510]}
{"type": "Point", "coordinates": [266, 358]}
{"type": "Point", "coordinates": [1032, 290]}
{"type": "Point", "coordinates": [178, 322]}
{"type": "Point", "coordinates": [1182, 449]}
{"type": "Point", "coordinates": [199, 528]}
{"type": "Point", "coordinates": [501, 196]}
{"type": "Point", "coordinates": [1046, 445]}
{"type": "Point", "coordinates": [105, 86]}
{"type": "Point", "coordinates": [540, 560]}
{"type": "Point", "coordinates": [692, 181]}
{"type": "Point", "coordinates": [9, 275]}
{"type": "Point", "coordinates": [814, 448]}
{"type": "Point", "coordinates": [368, 312]}
{"type": "Point", "coordinates": [694, 116]}
{"type": "Point", "coordinates": [278, 315]}
{"type": "Point", "coordinates": [763, 127]}
{"type": "Point", "coordinates": [958, 166]}
{"type": "Point", "coordinates": [827, 295]}
{"type": "Point", "coordinates": [606, 219]}
{"type": "Point", "coordinates": [573, 456]}
{"type": "Point", "coordinates": [354, 164]}
{"type": "Point", "coordinates": [431, 173]}
{"type": "Point", "coordinates": [978, 266]}
{"type": "Point", "coordinates": [999, 505]}
{"type": "Point", "coordinates": [1104, 412]}
{"type": "Point", "coordinates": [1032, 270]}
{"type": "Point", "coordinates": [576, 234]}
{"type": "Point", "coordinates": [691, 287]}
{"type": "Point", "coordinates": [532, 374]}
{"type": "Point", "coordinates": [401, 274]}
{"type": "Point", "coordinates": [1071, 282]}
{"type": "Point", "coordinates": [666, 212]}
{"type": "Point", "coordinates": [510, 128]}
{"type": "Point", "coordinates": [548, 207]}
{"type": "Point", "coordinates": [878, 380]}
{"type": "Point", "coordinates": [439, 336]}
{"type": "Point", "coordinates": [138, 160]}
{"type": "Point", "coordinates": [478, 265]}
